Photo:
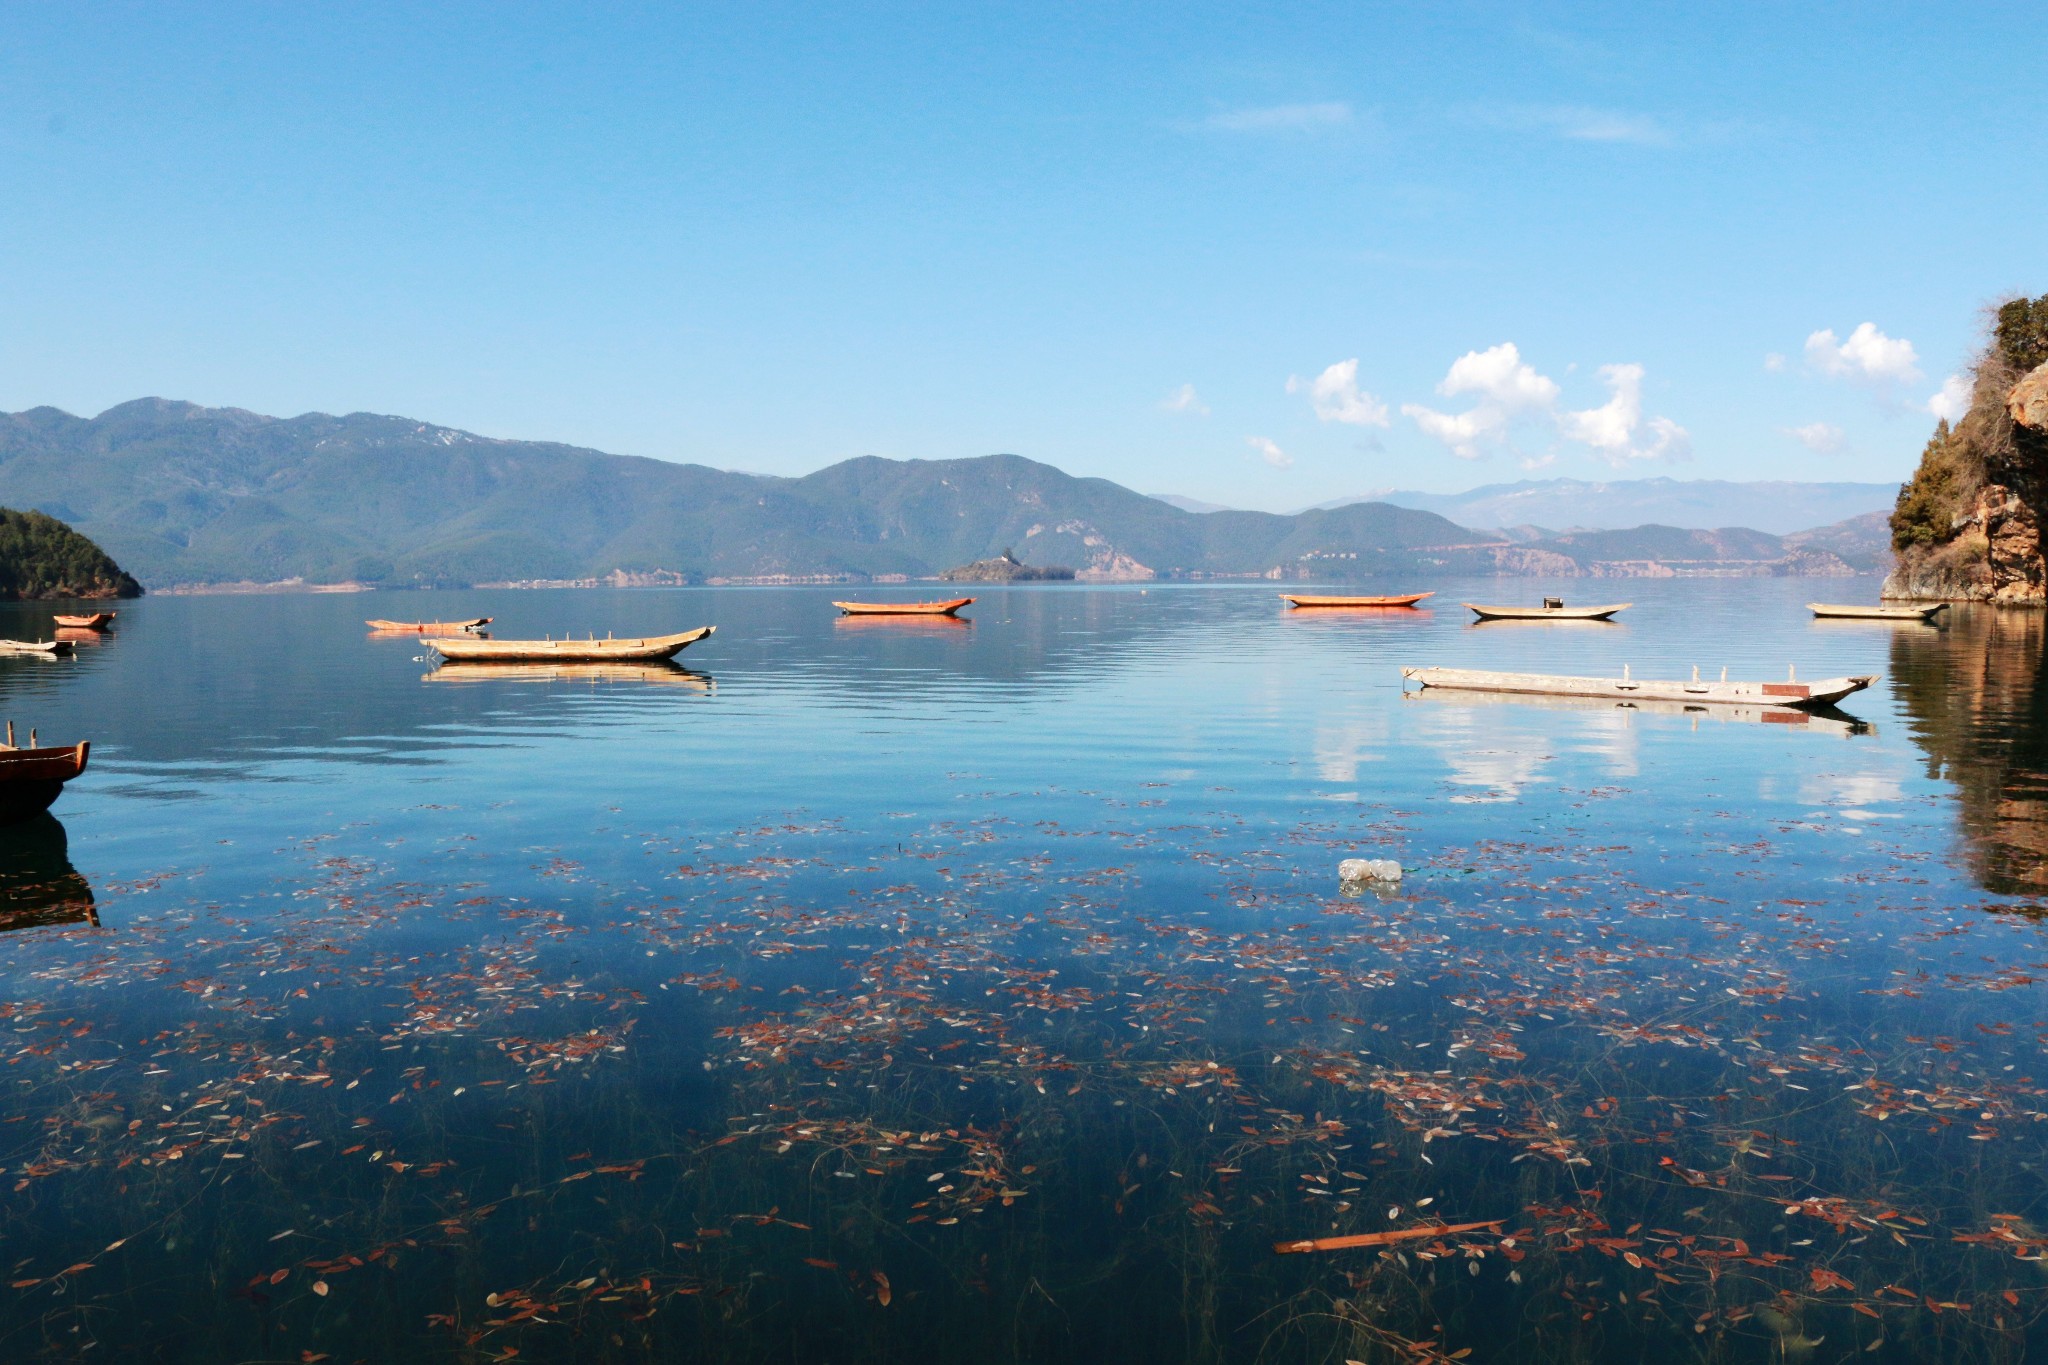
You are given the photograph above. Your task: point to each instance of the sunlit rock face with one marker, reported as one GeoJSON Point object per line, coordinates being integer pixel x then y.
{"type": "Point", "coordinates": [1978, 706]}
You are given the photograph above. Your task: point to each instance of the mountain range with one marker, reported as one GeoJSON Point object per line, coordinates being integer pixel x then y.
{"type": "Point", "coordinates": [187, 495]}
{"type": "Point", "coordinates": [1777, 506]}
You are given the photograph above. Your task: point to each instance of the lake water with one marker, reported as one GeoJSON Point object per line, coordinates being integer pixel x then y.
{"type": "Point", "coordinates": [879, 991]}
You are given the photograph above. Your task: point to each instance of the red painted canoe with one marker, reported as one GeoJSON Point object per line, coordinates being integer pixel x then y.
{"type": "Point", "coordinates": [1304, 600]}
{"type": "Point", "coordinates": [903, 608]}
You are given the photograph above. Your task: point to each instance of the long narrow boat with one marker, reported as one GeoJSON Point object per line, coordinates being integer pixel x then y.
{"type": "Point", "coordinates": [1787, 693]}
{"type": "Point", "coordinates": [92, 620]}
{"type": "Point", "coordinates": [1547, 612]}
{"type": "Point", "coordinates": [946, 608]}
{"type": "Point", "coordinates": [1835, 611]}
{"type": "Point", "coordinates": [427, 627]}
{"type": "Point", "coordinates": [639, 649]}
{"type": "Point", "coordinates": [48, 648]}
{"type": "Point", "coordinates": [1819, 719]}
{"type": "Point", "coordinates": [1305, 600]}
{"type": "Point", "coordinates": [31, 778]}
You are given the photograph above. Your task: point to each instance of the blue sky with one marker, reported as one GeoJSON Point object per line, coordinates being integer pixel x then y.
{"type": "Point", "coordinates": [1143, 243]}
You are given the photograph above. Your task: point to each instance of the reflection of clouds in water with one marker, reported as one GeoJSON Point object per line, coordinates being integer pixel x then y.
{"type": "Point", "coordinates": [1504, 748]}
{"type": "Point", "coordinates": [1482, 751]}
{"type": "Point", "coordinates": [1341, 747]}
{"type": "Point", "coordinates": [1611, 735]}
{"type": "Point", "coordinates": [1850, 789]}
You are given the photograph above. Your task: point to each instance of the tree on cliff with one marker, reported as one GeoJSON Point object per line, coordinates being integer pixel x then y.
{"type": "Point", "coordinates": [42, 557]}
{"type": "Point", "coordinates": [2020, 332]}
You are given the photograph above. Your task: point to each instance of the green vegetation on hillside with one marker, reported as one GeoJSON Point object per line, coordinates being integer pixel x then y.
{"type": "Point", "coordinates": [2020, 332]}
{"type": "Point", "coordinates": [1945, 481]}
{"type": "Point", "coordinates": [42, 557]}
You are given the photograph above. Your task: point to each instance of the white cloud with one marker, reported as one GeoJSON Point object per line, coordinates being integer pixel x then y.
{"type": "Point", "coordinates": [1613, 428]}
{"type": "Point", "coordinates": [1499, 376]}
{"type": "Point", "coordinates": [1270, 453]}
{"type": "Point", "coordinates": [1462, 432]}
{"type": "Point", "coordinates": [1184, 399]}
{"type": "Point", "coordinates": [1953, 400]}
{"type": "Point", "coordinates": [1578, 123]}
{"type": "Point", "coordinates": [1509, 391]}
{"type": "Point", "coordinates": [1506, 388]}
{"type": "Point", "coordinates": [1774, 362]}
{"type": "Point", "coordinates": [1336, 397]}
{"type": "Point", "coordinates": [1822, 438]}
{"type": "Point", "coordinates": [1605, 125]}
{"type": "Point", "coordinates": [1281, 118]}
{"type": "Point", "coordinates": [1868, 356]}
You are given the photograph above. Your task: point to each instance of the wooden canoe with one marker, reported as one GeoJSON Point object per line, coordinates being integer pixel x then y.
{"type": "Point", "coordinates": [31, 778]}
{"type": "Point", "coordinates": [428, 627]}
{"type": "Point", "coordinates": [1819, 719]}
{"type": "Point", "coordinates": [1835, 611]}
{"type": "Point", "coordinates": [1302, 600]}
{"type": "Point", "coordinates": [95, 620]}
{"type": "Point", "coordinates": [47, 648]}
{"type": "Point", "coordinates": [903, 608]}
{"type": "Point", "coordinates": [1546, 613]}
{"type": "Point", "coordinates": [639, 649]}
{"type": "Point", "coordinates": [1789, 693]}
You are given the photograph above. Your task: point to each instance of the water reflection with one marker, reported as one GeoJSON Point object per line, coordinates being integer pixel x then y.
{"type": "Point", "coordinates": [661, 674]}
{"type": "Point", "coordinates": [1827, 720]}
{"type": "Point", "coordinates": [1977, 707]}
{"type": "Point", "coordinates": [38, 885]}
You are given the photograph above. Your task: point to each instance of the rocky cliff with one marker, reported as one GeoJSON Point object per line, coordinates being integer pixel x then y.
{"type": "Point", "coordinates": [1968, 525]}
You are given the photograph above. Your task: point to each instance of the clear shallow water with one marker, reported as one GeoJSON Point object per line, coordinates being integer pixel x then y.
{"type": "Point", "coordinates": [891, 990]}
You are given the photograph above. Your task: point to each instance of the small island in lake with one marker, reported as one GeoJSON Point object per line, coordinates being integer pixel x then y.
{"type": "Point", "coordinates": [1006, 568]}
{"type": "Point", "coordinates": [41, 557]}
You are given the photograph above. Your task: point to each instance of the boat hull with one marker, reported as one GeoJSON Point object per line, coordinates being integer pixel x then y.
{"type": "Point", "coordinates": [644, 649]}
{"type": "Point", "coordinates": [1405, 600]}
{"type": "Point", "coordinates": [1815, 719]}
{"type": "Point", "coordinates": [1831, 611]}
{"type": "Point", "coordinates": [98, 620]}
{"type": "Point", "coordinates": [946, 608]}
{"type": "Point", "coordinates": [32, 779]}
{"type": "Point", "coordinates": [1546, 613]}
{"type": "Point", "coordinates": [1823, 693]}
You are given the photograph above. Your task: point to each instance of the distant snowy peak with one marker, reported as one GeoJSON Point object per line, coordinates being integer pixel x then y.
{"type": "Point", "coordinates": [1777, 506]}
{"type": "Point", "coordinates": [1197, 505]}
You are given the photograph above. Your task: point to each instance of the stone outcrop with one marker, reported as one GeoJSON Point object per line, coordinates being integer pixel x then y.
{"type": "Point", "coordinates": [2027, 404]}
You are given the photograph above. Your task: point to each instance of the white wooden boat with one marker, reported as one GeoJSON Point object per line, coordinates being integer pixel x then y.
{"type": "Point", "coordinates": [1625, 688]}
{"type": "Point", "coordinates": [1838, 611]}
{"type": "Point", "coordinates": [45, 647]}
{"type": "Point", "coordinates": [1825, 720]}
{"type": "Point", "coordinates": [1553, 609]}
{"type": "Point", "coordinates": [639, 649]}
